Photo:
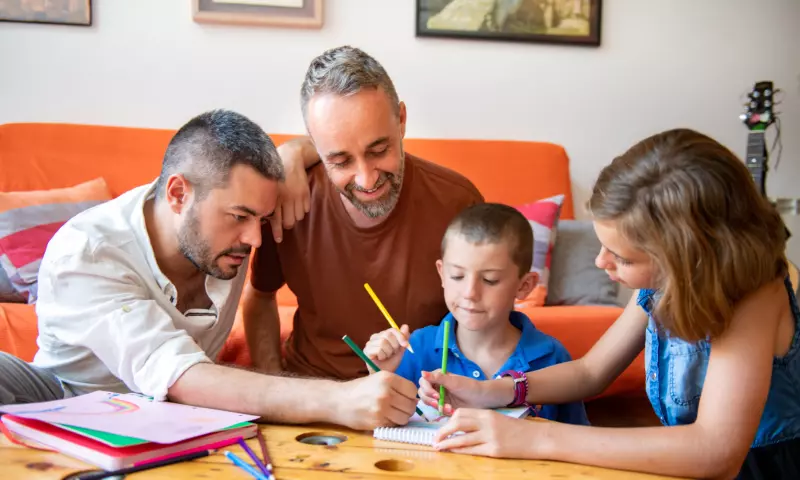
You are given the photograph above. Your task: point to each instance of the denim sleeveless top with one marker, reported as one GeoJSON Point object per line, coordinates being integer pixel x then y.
{"type": "Point", "coordinates": [676, 371]}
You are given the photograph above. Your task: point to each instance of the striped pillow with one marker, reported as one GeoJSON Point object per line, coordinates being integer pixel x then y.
{"type": "Point", "coordinates": [543, 215]}
{"type": "Point", "coordinates": [28, 220]}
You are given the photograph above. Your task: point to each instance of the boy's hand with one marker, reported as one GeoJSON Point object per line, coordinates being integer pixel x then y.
{"type": "Point", "coordinates": [387, 348]}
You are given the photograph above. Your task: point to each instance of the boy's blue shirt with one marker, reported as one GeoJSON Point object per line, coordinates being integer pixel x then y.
{"type": "Point", "coordinates": [534, 351]}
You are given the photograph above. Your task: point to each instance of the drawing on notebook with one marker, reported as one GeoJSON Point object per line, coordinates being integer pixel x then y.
{"type": "Point", "coordinates": [117, 405]}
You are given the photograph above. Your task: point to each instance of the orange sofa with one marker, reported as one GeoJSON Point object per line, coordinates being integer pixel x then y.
{"type": "Point", "coordinates": [39, 156]}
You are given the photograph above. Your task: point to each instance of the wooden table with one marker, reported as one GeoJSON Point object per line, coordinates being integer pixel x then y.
{"type": "Point", "coordinates": [358, 457]}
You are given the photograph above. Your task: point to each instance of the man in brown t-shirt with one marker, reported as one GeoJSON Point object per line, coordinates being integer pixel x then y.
{"type": "Point", "coordinates": [377, 216]}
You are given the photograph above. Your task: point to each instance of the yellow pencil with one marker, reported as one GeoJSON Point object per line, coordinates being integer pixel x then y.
{"type": "Point", "coordinates": [385, 313]}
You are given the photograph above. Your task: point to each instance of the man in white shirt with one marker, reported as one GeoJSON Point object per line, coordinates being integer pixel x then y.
{"type": "Point", "coordinates": [140, 293]}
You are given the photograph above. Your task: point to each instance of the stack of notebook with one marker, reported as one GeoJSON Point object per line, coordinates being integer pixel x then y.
{"type": "Point", "coordinates": [114, 431]}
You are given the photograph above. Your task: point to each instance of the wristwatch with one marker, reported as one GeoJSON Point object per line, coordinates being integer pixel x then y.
{"type": "Point", "coordinates": [520, 387]}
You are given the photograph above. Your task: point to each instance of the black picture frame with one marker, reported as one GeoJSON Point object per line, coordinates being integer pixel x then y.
{"type": "Point", "coordinates": [529, 15]}
{"type": "Point", "coordinates": [53, 12]}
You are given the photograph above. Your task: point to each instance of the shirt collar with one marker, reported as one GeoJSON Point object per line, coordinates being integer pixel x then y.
{"type": "Point", "coordinates": [140, 231]}
{"type": "Point", "coordinates": [217, 290]}
{"type": "Point", "coordinates": [533, 344]}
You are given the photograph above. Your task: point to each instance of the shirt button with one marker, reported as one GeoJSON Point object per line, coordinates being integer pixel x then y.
{"type": "Point", "coordinates": [455, 354]}
{"type": "Point", "coordinates": [476, 373]}
{"type": "Point", "coordinates": [653, 376]}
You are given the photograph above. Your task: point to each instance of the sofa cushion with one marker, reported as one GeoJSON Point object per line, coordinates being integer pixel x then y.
{"type": "Point", "coordinates": [7, 292]}
{"type": "Point", "coordinates": [543, 216]}
{"type": "Point", "coordinates": [28, 220]}
{"type": "Point", "coordinates": [574, 277]}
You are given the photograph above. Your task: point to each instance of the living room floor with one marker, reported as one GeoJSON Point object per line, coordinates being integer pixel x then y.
{"type": "Point", "coordinates": [622, 411]}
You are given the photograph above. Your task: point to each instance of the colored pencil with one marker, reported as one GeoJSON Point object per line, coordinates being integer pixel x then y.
{"type": "Point", "coordinates": [369, 362]}
{"type": "Point", "coordinates": [263, 444]}
{"type": "Point", "coordinates": [445, 343]}
{"type": "Point", "coordinates": [385, 312]}
{"type": "Point", "coordinates": [244, 466]}
{"type": "Point", "coordinates": [145, 466]}
{"type": "Point", "coordinates": [258, 462]}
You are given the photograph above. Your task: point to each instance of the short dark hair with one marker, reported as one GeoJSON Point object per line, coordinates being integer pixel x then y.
{"type": "Point", "coordinates": [207, 147]}
{"type": "Point", "coordinates": [495, 223]}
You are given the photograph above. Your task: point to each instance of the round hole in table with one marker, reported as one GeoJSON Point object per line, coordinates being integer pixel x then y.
{"type": "Point", "coordinates": [321, 438]}
{"type": "Point", "coordinates": [394, 465]}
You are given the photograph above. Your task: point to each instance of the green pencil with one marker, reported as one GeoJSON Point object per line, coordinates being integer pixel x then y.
{"type": "Point", "coordinates": [445, 343]}
{"type": "Point", "coordinates": [369, 362]}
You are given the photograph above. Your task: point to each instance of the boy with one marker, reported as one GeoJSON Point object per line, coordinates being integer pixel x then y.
{"type": "Point", "coordinates": [487, 253]}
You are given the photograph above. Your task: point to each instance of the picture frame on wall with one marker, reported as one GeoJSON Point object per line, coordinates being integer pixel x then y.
{"type": "Point", "coordinates": [274, 13]}
{"type": "Point", "coordinates": [569, 22]}
{"type": "Point", "coordinates": [55, 12]}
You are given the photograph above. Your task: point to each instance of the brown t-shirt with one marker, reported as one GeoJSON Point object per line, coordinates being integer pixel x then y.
{"type": "Point", "coordinates": [326, 259]}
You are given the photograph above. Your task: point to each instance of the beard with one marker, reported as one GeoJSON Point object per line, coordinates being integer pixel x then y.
{"type": "Point", "coordinates": [197, 249]}
{"type": "Point", "coordinates": [382, 206]}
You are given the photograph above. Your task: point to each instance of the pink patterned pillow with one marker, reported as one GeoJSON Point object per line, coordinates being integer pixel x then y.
{"type": "Point", "coordinates": [543, 216]}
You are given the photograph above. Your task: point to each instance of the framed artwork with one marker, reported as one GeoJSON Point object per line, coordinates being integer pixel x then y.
{"type": "Point", "coordinates": [60, 12]}
{"type": "Point", "coordinates": [573, 22]}
{"type": "Point", "coordinates": [276, 13]}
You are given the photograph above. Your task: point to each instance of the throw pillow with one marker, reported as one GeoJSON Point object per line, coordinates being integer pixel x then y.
{"type": "Point", "coordinates": [7, 292]}
{"type": "Point", "coordinates": [543, 216]}
{"type": "Point", "coordinates": [574, 277]}
{"type": "Point", "coordinates": [28, 220]}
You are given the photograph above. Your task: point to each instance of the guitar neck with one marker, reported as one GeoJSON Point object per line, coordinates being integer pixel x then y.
{"type": "Point", "coordinates": [756, 159]}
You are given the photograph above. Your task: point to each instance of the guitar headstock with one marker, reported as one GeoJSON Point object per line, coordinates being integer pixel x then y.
{"type": "Point", "coordinates": [759, 114]}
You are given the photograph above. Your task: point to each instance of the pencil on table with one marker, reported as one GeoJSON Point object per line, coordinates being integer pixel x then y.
{"type": "Point", "coordinates": [349, 341]}
{"type": "Point", "coordinates": [385, 312]}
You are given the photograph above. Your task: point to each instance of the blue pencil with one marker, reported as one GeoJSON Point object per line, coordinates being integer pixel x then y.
{"type": "Point", "coordinates": [258, 462]}
{"type": "Point", "coordinates": [244, 465]}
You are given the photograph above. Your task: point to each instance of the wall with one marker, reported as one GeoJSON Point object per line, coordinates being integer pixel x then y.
{"type": "Point", "coordinates": [662, 63]}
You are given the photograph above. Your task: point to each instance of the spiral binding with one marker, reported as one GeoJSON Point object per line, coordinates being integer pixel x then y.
{"type": "Point", "coordinates": [417, 436]}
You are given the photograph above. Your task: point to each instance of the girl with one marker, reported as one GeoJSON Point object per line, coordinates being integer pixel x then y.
{"type": "Point", "coordinates": [681, 222]}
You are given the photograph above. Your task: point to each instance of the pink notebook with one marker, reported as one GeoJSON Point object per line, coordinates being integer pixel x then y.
{"type": "Point", "coordinates": [111, 458]}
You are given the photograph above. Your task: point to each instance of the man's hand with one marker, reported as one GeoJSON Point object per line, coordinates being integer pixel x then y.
{"type": "Point", "coordinates": [294, 195]}
{"type": "Point", "coordinates": [460, 391]}
{"type": "Point", "coordinates": [378, 400]}
{"type": "Point", "coordinates": [488, 433]}
{"type": "Point", "coordinates": [387, 348]}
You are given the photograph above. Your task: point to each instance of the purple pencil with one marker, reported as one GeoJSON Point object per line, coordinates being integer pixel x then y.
{"type": "Point", "coordinates": [258, 462]}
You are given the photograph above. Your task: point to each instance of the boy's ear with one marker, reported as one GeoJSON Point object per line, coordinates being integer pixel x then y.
{"type": "Point", "coordinates": [439, 266]}
{"type": "Point", "coordinates": [526, 285]}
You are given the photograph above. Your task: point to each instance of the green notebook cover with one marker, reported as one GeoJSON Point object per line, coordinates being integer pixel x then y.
{"type": "Point", "coordinates": [119, 441]}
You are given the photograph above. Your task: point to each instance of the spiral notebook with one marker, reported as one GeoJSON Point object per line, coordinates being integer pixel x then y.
{"type": "Point", "coordinates": [421, 430]}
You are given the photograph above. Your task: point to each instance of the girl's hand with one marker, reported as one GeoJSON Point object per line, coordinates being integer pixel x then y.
{"type": "Point", "coordinates": [387, 348]}
{"type": "Point", "coordinates": [461, 391]}
{"type": "Point", "coordinates": [490, 434]}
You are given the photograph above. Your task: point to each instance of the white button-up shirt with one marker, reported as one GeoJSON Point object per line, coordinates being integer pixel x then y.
{"type": "Point", "coordinates": [107, 315]}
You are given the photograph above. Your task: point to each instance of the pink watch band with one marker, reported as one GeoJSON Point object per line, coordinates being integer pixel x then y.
{"type": "Point", "coordinates": [520, 387]}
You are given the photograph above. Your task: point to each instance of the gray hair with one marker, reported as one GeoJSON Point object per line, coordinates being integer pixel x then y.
{"type": "Point", "coordinates": [206, 149]}
{"type": "Point", "coordinates": [345, 71]}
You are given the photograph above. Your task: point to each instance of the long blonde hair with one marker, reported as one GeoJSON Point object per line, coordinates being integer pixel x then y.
{"type": "Point", "coordinates": [692, 205]}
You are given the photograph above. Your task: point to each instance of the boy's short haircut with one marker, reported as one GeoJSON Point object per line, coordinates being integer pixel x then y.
{"type": "Point", "coordinates": [495, 223]}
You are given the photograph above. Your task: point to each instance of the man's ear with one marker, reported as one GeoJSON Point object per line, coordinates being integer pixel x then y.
{"type": "Point", "coordinates": [439, 268]}
{"type": "Point", "coordinates": [526, 285]}
{"type": "Point", "coordinates": [177, 192]}
{"type": "Point", "coordinates": [403, 114]}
